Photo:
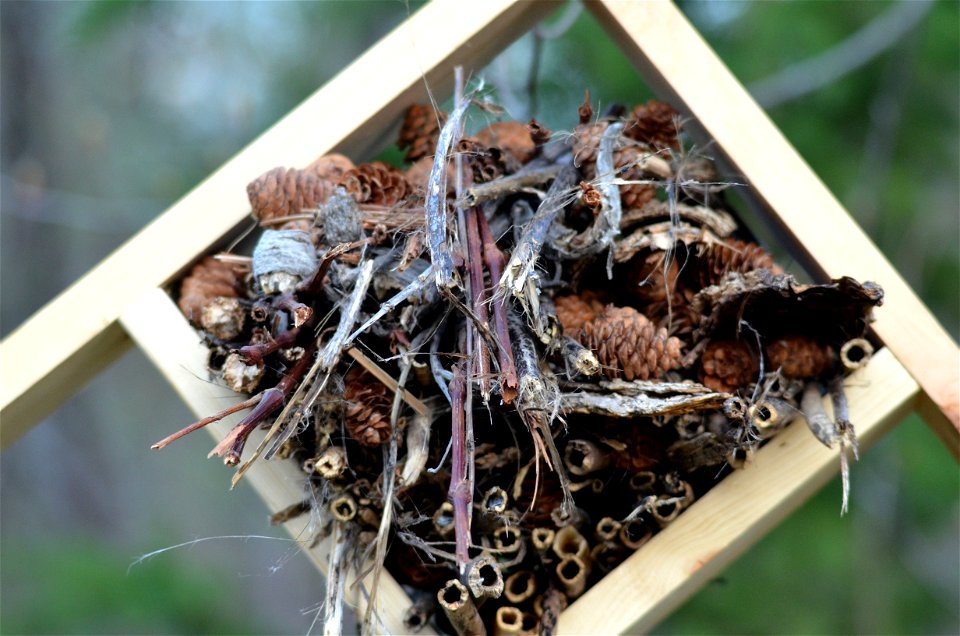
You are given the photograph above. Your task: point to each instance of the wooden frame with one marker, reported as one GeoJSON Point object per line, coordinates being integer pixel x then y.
{"type": "Point", "coordinates": [917, 370]}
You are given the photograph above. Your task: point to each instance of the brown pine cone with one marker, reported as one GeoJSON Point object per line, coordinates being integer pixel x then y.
{"type": "Point", "coordinates": [367, 408]}
{"type": "Point", "coordinates": [285, 192]}
{"type": "Point", "coordinates": [653, 124]}
{"type": "Point", "coordinates": [511, 137]}
{"type": "Point", "coordinates": [732, 255]}
{"type": "Point", "coordinates": [728, 365]}
{"type": "Point", "coordinates": [627, 344]}
{"type": "Point", "coordinates": [420, 131]}
{"type": "Point", "coordinates": [575, 310]}
{"type": "Point", "coordinates": [485, 162]}
{"type": "Point", "coordinates": [331, 167]}
{"type": "Point", "coordinates": [376, 183]}
{"type": "Point", "coordinates": [633, 195]}
{"type": "Point", "coordinates": [799, 357]}
{"type": "Point", "coordinates": [418, 174]}
{"type": "Point", "coordinates": [208, 280]}
{"type": "Point", "coordinates": [586, 143]}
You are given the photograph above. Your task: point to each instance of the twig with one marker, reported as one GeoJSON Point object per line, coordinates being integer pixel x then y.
{"type": "Point", "coordinates": [336, 582]}
{"type": "Point", "coordinates": [819, 422]}
{"type": "Point", "coordinates": [407, 292]}
{"type": "Point", "coordinates": [348, 317]}
{"type": "Point", "coordinates": [524, 178]}
{"type": "Point", "coordinates": [495, 261]}
{"type": "Point", "coordinates": [388, 381]}
{"type": "Point", "coordinates": [481, 354]}
{"type": "Point", "coordinates": [458, 491]}
{"type": "Point", "coordinates": [848, 437]}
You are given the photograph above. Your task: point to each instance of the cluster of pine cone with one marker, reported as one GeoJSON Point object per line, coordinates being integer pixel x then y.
{"type": "Point", "coordinates": [655, 307]}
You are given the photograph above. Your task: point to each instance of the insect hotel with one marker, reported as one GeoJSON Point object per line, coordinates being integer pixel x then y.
{"type": "Point", "coordinates": [528, 381]}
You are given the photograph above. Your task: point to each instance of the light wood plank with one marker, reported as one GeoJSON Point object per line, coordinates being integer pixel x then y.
{"type": "Point", "coordinates": [737, 512]}
{"type": "Point", "coordinates": [49, 357]}
{"type": "Point", "coordinates": [157, 327]}
{"type": "Point", "coordinates": [683, 69]}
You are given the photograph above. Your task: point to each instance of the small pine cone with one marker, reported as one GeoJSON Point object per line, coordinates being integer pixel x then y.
{"type": "Point", "coordinates": [633, 195]}
{"type": "Point", "coordinates": [511, 137]}
{"type": "Point", "coordinates": [285, 192]}
{"type": "Point", "coordinates": [331, 167]}
{"type": "Point", "coordinates": [376, 183]}
{"type": "Point", "coordinates": [732, 255]}
{"type": "Point", "coordinates": [367, 409]}
{"type": "Point", "coordinates": [799, 357]}
{"type": "Point", "coordinates": [209, 279]}
{"type": "Point", "coordinates": [586, 143]}
{"type": "Point", "coordinates": [627, 344]}
{"type": "Point", "coordinates": [728, 365]}
{"type": "Point", "coordinates": [485, 163]}
{"type": "Point", "coordinates": [420, 131]}
{"type": "Point", "coordinates": [573, 311]}
{"type": "Point", "coordinates": [653, 124]}
{"type": "Point", "coordinates": [418, 174]}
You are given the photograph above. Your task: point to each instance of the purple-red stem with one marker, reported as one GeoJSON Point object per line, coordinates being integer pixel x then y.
{"type": "Point", "coordinates": [459, 492]}
{"type": "Point", "coordinates": [496, 262]}
{"type": "Point", "coordinates": [254, 354]}
{"type": "Point", "coordinates": [475, 271]}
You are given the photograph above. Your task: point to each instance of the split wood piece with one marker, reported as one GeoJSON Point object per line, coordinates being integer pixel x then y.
{"type": "Point", "coordinates": [737, 512]}
{"type": "Point", "coordinates": [35, 380]}
{"type": "Point", "coordinates": [160, 330]}
{"type": "Point", "coordinates": [664, 47]}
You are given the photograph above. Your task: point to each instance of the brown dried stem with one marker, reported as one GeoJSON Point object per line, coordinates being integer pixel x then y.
{"type": "Point", "coordinates": [460, 488]}
{"type": "Point", "coordinates": [496, 261]}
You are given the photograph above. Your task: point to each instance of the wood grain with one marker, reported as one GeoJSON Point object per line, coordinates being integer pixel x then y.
{"type": "Point", "coordinates": [681, 68]}
{"type": "Point", "coordinates": [157, 327]}
{"type": "Point", "coordinates": [61, 346]}
{"type": "Point", "coordinates": [737, 512]}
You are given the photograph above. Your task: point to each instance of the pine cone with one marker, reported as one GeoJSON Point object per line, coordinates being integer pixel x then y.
{"type": "Point", "coordinates": [799, 357]}
{"type": "Point", "coordinates": [633, 195]}
{"type": "Point", "coordinates": [330, 167]}
{"type": "Point", "coordinates": [586, 143]}
{"type": "Point", "coordinates": [285, 192]}
{"type": "Point", "coordinates": [209, 279]}
{"type": "Point", "coordinates": [376, 183]}
{"type": "Point", "coordinates": [732, 255]}
{"type": "Point", "coordinates": [420, 131]}
{"type": "Point", "coordinates": [653, 124]}
{"type": "Point", "coordinates": [367, 408]}
{"type": "Point", "coordinates": [728, 365]}
{"type": "Point", "coordinates": [627, 344]}
{"type": "Point", "coordinates": [418, 174]}
{"type": "Point", "coordinates": [511, 137]}
{"type": "Point", "coordinates": [573, 311]}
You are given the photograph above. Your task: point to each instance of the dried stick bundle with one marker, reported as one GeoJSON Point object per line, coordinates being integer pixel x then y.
{"type": "Point", "coordinates": [505, 366]}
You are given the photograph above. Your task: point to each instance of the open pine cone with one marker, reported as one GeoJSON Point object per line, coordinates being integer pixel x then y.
{"type": "Point", "coordinates": [285, 192]}
{"type": "Point", "coordinates": [367, 408]}
{"type": "Point", "coordinates": [653, 124]}
{"type": "Point", "coordinates": [420, 131]}
{"type": "Point", "coordinates": [728, 365]}
{"type": "Point", "coordinates": [208, 280]}
{"type": "Point", "coordinates": [628, 345]}
{"type": "Point", "coordinates": [376, 183]}
{"type": "Point", "coordinates": [799, 357]}
{"type": "Point", "coordinates": [732, 255]}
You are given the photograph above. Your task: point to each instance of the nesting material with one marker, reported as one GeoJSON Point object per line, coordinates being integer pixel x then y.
{"type": "Point", "coordinates": [507, 365]}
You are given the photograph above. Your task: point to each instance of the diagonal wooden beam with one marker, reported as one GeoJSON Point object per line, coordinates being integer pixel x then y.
{"type": "Point", "coordinates": [77, 334]}
{"type": "Point", "coordinates": [681, 67]}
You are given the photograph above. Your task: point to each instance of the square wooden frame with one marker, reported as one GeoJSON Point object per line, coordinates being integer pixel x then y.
{"type": "Point", "coordinates": [916, 371]}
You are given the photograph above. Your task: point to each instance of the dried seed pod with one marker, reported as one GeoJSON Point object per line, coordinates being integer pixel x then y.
{"type": "Point", "coordinates": [575, 310]}
{"type": "Point", "coordinates": [539, 133]}
{"type": "Point", "coordinates": [420, 131]}
{"type": "Point", "coordinates": [331, 167]}
{"type": "Point", "coordinates": [732, 255]}
{"type": "Point", "coordinates": [282, 259]}
{"type": "Point", "coordinates": [376, 183]}
{"type": "Point", "coordinates": [286, 191]}
{"type": "Point", "coordinates": [509, 136]}
{"type": "Point", "coordinates": [367, 408]}
{"type": "Point", "coordinates": [654, 124]}
{"type": "Point", "coordinates": [628, 345]}
{"type": "Point", "coordinates": [799, 357]}
{"type": "Point", "coordinates": [209, 279]}
{"type": "Point", "coordinates": [223, 318]}
{"type": "Point", "coordinates": [240, 376]}
{"type": "Point", "coordinates": [728, 365]}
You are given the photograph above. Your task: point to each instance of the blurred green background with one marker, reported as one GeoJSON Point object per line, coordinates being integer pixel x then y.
{"type": "Point", "coordinates": [112, 110]}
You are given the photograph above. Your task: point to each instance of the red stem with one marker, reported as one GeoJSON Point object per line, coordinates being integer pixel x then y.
{"type": "Point", "coordinates": [208, 420]}
{"type": "Point", "coordinates": [496, 262]}
{"type": "Point", "coordinates": [254, 354]}
{"type": "Point", "coordinates": [459, 492]}
{"type": "Point", "coordinates": [475, 271]}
